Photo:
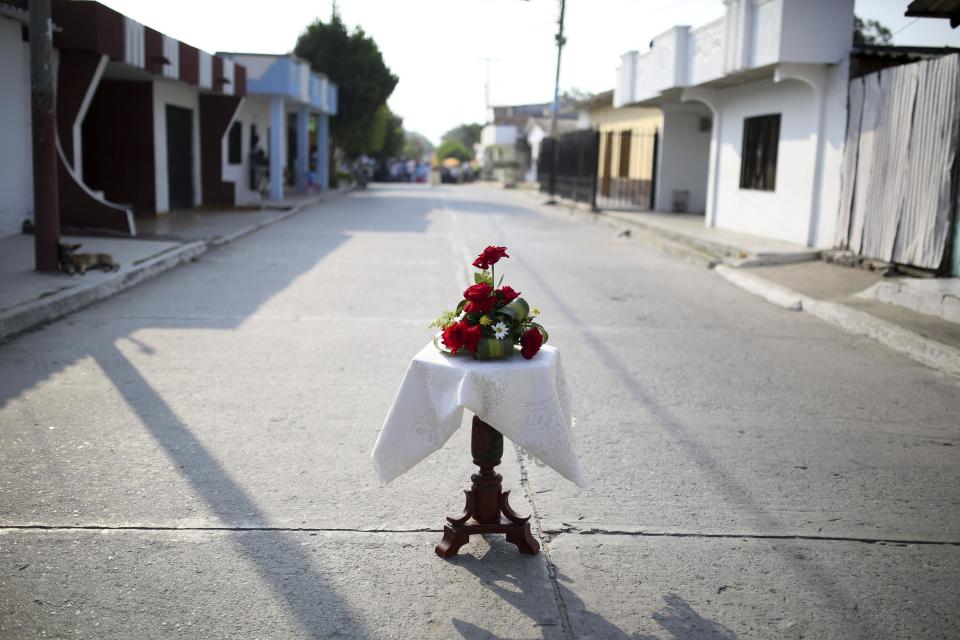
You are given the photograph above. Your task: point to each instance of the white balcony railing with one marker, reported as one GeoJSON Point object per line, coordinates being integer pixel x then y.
{"type": "Point", "coordinates": [705, 53]}
{"type": "Point", "coordinates": [750, 35]}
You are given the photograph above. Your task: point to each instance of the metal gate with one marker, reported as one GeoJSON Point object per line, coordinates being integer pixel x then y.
{"type": "Point", "coordinates": [576, 178]}
{"type": "Point", "coordinates": [627, 169]}
{"type": "Point", "coordinates": [610, 169]}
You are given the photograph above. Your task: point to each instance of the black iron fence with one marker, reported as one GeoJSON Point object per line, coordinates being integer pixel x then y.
{"type": "Point", "coordinates": [612, 169]}
{"type": "Point", "coordinates": [576, 177]}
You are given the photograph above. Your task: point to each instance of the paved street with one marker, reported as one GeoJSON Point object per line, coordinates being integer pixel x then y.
{"type": "Point", "coordinates": [190, 459]}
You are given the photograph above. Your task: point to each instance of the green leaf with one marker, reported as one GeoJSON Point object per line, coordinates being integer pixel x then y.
{"type": "Point", "coordinates": [460, 306]}
{"type": "Point", "coordinates": [482, 277]}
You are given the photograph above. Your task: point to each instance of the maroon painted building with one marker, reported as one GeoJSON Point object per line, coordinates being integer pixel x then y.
{"type": "Point", "coordinates": [141, 119]}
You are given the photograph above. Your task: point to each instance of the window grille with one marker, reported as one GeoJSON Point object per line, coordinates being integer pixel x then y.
{"type": "Point", "coordinates": [758, 163]}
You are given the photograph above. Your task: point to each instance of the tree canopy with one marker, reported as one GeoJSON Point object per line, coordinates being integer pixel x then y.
{"type": "Point", "coordinates": [352, 60]}
{"type": "Point", "coordinates": [385, 136]}
{"type": "Point", "coordinates": [451, 148]}
{"type": "Point", "coordinates": [870, 32]}
{"type": "Point", "coordinates": [467, 134]}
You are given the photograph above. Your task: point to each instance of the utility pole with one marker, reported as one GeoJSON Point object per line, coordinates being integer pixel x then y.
{"type": "Point", "coordinates": [46, 198]}
{"type": "Point", "coordinates": [486, 86]}
{"type": "Point", "coordinates": [556, 98]}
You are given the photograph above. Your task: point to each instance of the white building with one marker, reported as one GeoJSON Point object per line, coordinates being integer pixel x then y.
{"type": "Point", "coordinates": [754, 115]}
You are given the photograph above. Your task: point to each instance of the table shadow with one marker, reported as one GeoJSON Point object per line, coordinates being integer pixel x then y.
{"type": "Point", "coordinates": [677, 618]}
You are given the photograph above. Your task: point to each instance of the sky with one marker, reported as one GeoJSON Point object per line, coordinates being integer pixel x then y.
{"type": "Point", "coordinates": [444, 51]}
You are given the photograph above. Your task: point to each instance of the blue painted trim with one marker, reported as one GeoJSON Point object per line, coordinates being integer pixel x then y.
{"type": "Point", "coordinates": [282, 78]}
{"type": "Point", "coordinates": [303, 149]}
{"type": "Point", "coordinates": [332, 98]}
{"type": "Point", "coordinates": [277, 132]}
{"type": "Point", "coordinates": [323, 150]}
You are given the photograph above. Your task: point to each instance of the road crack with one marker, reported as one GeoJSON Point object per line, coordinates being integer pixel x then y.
{"type": "Point", "coordinates": [545, 538]}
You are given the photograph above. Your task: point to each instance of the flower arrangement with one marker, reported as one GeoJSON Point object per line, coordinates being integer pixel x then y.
{"type": "Point", "coordinates": [491, 319]}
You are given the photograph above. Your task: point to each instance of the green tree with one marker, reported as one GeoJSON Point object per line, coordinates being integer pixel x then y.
{"type": "Point", "coordinates": [870, 32]}
{"type": "Point", "coordinates": [393, 137]}
{"type": "Point", "coordinates": [573, 95]}
{"type": "Point", "coordinates": [352, 60]}
{"type": "Point", "coordinates": [416, 145]}
{"type": "Point", "coordinates": [467, 134]}
{"type": "Point", "coordinates": [451, 148]}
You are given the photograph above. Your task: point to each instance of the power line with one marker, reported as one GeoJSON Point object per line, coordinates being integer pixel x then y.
{"type": "Point", "coordinates": [909, 24]}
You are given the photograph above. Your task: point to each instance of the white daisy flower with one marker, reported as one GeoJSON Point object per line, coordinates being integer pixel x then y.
{"type": "Point", "coordinates": [500, 330]}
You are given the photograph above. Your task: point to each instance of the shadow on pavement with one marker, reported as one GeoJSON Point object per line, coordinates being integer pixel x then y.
{"type": "Point", "coordinates": [816, 577]}
{"type": "Point", "coordinates": [676, 617]}
{"type": "Point", "coordinates": [239, 294]}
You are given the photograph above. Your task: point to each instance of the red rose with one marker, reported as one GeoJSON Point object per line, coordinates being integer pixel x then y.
{"type": "Point", "coordinates": [490, 255]}
{"type": "Point", "coordinates": [487, 304]}
{"type": "Point", "coordinates": [453, 337]}
{"type": "Point", "coordinates": [478, 292]}
{"type": "Point", "coordinates": [530, 342]}
{"type": "Point", "coordinates": [508, 294]}
{"type": "Point", "coordinates": [471, 335]}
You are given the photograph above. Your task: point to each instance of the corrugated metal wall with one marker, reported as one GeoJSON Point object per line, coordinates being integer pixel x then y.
{"type": "Point", "coordinates": [898, 165]}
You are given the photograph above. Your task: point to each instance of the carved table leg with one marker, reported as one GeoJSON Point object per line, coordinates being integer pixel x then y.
{"type": "Point", "coordinates": [488, 508]}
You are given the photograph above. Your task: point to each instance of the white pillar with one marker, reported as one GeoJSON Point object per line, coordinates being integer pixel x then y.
{"type": "Point", "coordinates": [303, 149]}
{"type": "Point", "coordinates": [277, 131]}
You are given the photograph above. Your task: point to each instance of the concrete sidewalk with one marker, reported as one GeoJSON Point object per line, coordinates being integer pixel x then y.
{"type": "Point", "coordinates": [729, 246]}
{"type": "Point", "coordinates": [914, 316]}
{"type": "Point", "coordinates": [29, 298]}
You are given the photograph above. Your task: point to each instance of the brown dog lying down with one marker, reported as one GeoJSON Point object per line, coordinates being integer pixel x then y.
{"type": "Point", "coordinates": [72, 263]}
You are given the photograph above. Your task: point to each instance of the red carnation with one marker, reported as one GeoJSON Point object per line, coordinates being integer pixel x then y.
{"type": "Point", "coordinates": [490, 255]}
{"type": "Point", "coordinates": [530, 342]}
{"type": "Point", "coordinates": [453, 337]}
{"type": "Point", "coordinates": [508, 294]}
{"type": "Point", "coordinates": [478, 292]}
{"type": "Point", "coordinates": [462, 335]}
{"type": "Point", "coordinates": [471, 335]}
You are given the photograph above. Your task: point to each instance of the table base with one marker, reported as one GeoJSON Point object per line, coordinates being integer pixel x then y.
{"type": "Point", "coordinates": [488, 506]}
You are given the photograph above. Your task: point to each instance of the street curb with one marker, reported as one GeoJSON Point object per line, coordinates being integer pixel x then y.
{"type": "Point", "coordinates": [58, 305]}
{"type": "Point", "coordinates": [678, 249]}
{"type": "Point", "coordinates": [931, 353]}
{"type": "Point", "coordinates": [774, 293]}
{"type": "Point", "coordinates": [50, 308]}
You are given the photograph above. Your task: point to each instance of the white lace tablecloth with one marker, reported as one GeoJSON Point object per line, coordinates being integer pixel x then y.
{"type": "Point", "coordinates": [526, 400]}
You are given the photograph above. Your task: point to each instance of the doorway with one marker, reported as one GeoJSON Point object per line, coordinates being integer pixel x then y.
{"type": "Point", "coordinates": [180, 157]}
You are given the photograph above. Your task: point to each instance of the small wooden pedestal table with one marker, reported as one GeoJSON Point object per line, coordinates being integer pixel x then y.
{"type": "Point", "coordinates": [488, 506]}
{"type": "Point", "coordinates": [525, 400]}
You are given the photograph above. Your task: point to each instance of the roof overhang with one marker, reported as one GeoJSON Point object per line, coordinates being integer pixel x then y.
{"type": "Point", "coordinates": [946, 9]}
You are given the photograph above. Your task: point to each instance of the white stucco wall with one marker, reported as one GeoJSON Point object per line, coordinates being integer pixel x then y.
{"type": "Point", "coordinates": [785, 212]}
{"type": "Point", "coordinates": [683, 160]}
{"type": "Point", "coordinates": [834, 133]}
{"type": "Point", "coordinates": [494, 134]}
{"type": "Point", "coordinates": [16, 177]}
{"type": "Point", "coordinates": [253, 110]}
{"type": "Point", "coordinates": [534, 137]}
{"type": "Point", "coordinates": [178, 94]}
{"type": "Point", "coordinates": [816, 31]}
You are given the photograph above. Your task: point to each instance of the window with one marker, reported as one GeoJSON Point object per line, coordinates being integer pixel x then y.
{"type": "Point", "coordinates": [758, 163]}
{"type": "Point", "coordinates": [235, 144]}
